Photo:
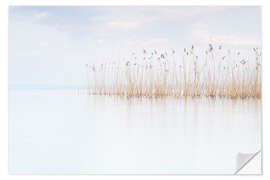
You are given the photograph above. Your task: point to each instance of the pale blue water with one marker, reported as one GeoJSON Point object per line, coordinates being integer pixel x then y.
{"type": "Point", "coordinates": [66, 131]}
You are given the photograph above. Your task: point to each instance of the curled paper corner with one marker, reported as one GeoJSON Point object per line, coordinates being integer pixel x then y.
{"type": "Point", "coordinates": [248, 163]}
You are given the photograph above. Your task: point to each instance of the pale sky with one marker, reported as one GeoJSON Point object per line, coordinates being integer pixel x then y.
{"type": "Point", "coordinates": [49, 46]}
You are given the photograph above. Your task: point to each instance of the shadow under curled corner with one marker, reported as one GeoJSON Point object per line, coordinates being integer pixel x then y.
{"type": "Point", "coordinates": [248, 164]}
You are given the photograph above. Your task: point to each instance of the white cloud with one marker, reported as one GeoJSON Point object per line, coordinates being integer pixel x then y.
{"type": "Point", "coordinates": [176, 12]}
{"type": "Point", "coordinates": [205, 36]}
{"type": "Point", "coordinates": [100, 41]}
{"type": "Point", "coordinates": [44, 44]}
{"type": "Point", "coordinates": [150, 42]}
{"type": "Point", "coordinates": [41, 15]}
{"type": "Point", "coordinates": [127, 25]}
{"type": "Point", "coordinates": [155, 41]}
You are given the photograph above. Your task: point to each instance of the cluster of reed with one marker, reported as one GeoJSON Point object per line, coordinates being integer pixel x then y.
{"type": "Point", "coordinates": [152, 74]}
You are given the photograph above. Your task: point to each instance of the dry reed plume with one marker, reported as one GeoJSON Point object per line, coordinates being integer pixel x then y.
{"type": "Point", "coordinates": [215, 73]}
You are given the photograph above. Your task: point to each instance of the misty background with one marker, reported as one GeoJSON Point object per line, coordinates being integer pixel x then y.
{"type": "Point", "coordinates": [49, 46]}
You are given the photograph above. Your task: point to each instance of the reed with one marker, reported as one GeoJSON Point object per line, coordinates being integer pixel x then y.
{"type": "Point", "coordinates": [215, 73]}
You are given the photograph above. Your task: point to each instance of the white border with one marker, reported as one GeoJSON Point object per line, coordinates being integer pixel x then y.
{"type": "Point", "coordinates": [4, 80]}
{"type": "Point", "coordinates": [135, 2]}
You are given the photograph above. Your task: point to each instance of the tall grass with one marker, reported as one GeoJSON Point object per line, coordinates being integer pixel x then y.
{"type": "Point", "coordinates": [214, 72]}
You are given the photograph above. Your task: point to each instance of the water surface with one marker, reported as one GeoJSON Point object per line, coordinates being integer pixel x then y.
{"type": "Point", "coordinates": [57, 131]}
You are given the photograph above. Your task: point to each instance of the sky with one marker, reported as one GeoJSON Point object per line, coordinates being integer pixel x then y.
{"type": "Point", "coordinates": [49, 46]}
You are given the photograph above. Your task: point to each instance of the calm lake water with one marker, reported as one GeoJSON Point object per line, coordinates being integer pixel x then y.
{"type": "Point", "coordinates": [57, 131]}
